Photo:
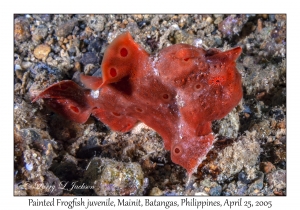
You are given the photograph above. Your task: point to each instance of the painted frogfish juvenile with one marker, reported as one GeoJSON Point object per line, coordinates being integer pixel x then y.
{"type": "Point", "coordinates": [177, 92]}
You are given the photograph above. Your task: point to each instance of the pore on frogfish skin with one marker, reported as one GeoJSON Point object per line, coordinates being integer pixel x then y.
{"type": "Point", "coordinates": [177, 92]}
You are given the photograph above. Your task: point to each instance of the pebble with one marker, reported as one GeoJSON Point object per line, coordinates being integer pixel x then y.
{"type": "Point", "coordinates": [278, 153]}
{"type": "Point", "coordinates": [39, 33]}
{"type": "Point", "coordinates": [19, 74]}
{"type": "Point", "coordinates": [133, 28]}
{"type": "Point", "coordinates": [241, 188]}
{"type": "Point", "coordinates": [246, 115]}
{"type": "Point", "coordinates": [46, 17]}
{"type": "Point", "coordinates": [65, 41]}
{"type": "Point", "coordinates": [66, 28]}
{"type": "Point", "coordinates": [248, 61]}
{"type": "Point", "coordinates": [243, 178]}
{"type": "Point", "coordinates": [29, 166]}
{"type": "Point", "coordinates": [95, 45]}
{"type": "Point", "coordinates": [22, 30]}
{"type": "Point", "coordinates": [218, 20]}
{"type": "Point", "coordinates": [209, 20]}
{"type": "Point", "coordinates": [142, 24]}
{"type": "Point", "coordinates": [277, 179]}
{"type": "Point", "coordinates": [50, 42]}
{"type": "Point", "coordinates": [242, 154]}
{"type": "Point", "coordinates": [207, 183]}
{"type": "Point", "coordinates": [258, 183]}
{"type": "Point", "coordinates": [281, 125]}
{"type": "Point", "coordinates": [88, 30]}
{"type": "Point", "coordinates": [42, 67]}
{"type": "Point", "coordinates": [215, 191]}
{"type": "Point", "coordinates": [64, 47]}
{"type": "Point", "coordinates": [267, 167]}
{"type": "Point", "coordinates": [77, 66]}
{"type": "Point", "coordinates": [278, 114]}
{"type": "Point", "coordinates": [155, 21]}
{"type": "Point", "coordinates": [92, 147]}
{"type": "Point", "coordinates": [42, 51]}
{"type": "Point", "coordinates": [272, 18]}
{"type": "Point", "coordinates": [118, 178]}
{"type": "Point", "coordinates": [89, 58]}
{"type": "Point", "coordinates": [155, 191]}
{"type": "Point", "coordinates": [96, 22]}
{"type": "Point", "coordinates": [70, 37]}
{"type": "Point", "coordinates": [232, 25]}
{"type": "Point", "coordinates": [259, 25]}
{"type": "Point", "coordinates": [26, 64]}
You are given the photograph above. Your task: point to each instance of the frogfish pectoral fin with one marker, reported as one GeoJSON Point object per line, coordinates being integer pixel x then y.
{"type": "Point", "coordinates": [67, 99]}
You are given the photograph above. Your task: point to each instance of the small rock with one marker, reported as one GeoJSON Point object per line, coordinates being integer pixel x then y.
{"type": "Point", "coordinates": [66, 28]}
{"type": "Point", "coordinates": [207, 183]}
{"type": "Point", "coordinates": [261, 95]}
{"type": "Point", "coordinates": [19, 74]}
{"type": "Point", "coordinates": [41, 67]}
{"type": "Point", "coordinates": [277, 114]}
{"type": "Point", "coordinates": [66, 169]}
{"type": "Point", "coordinates": [133, 28]}
{"type": "Point", "coordinates": [90, 149]}
{"type": "Point", "coordinates": [88, 30]}
{"type": "Point", "coordinates": [241, 188]}
{"type": "Point", "coordinates": [267, 167]}
{"type": "Point", "coordinates": [46, 17]}
{"type": "Point", "coordinates": [183, 37]}
{"type": "Point", "coordinates": [42, 51]}
{"type": "Point", "coordinates": [272, 17]}
{"type": "Point", "coordinates": [259, 25]}
{"type": "Point", "coordinates": [209, 19]}
{"type": "Point", "coordinates": [278, 193]}
{"type": "Point", "coordinates": [26, 65]}
{"type": "Point", "coordinates": [116, 178]}
{"type": "Point", "coordinates": [263, 128]}
{"type": "Point", "coordinates": [231, 189]}
{"type": "Point", "coordinates": [243, 154]}
{"type": "Point", "coordinates": [215, 191]}
{"type": "Point", "coordinates": [142, 24]}
{"type": "Point", "coordinates": [232, 25]}
{"type": "Point", "coordinates": [277, 179]}
{"type": "Point", "coordinates": [39, 33]}
{"type": "Point", "coordinates": [96, 22]}
{"type": "Point", "coordinates": [89, 58]}
{"type": "Point", "coordinates": [155, 191]}
{"type": "Point", "coordinates": [95, 45]}
{"type": "Point", "coordinates": [77, 66]}
{"type": "Point", "coordinates": [218, 19]}
{"type": "Point", "coordinates": [281, 125]}
{"type": "Point", "coordinates": [229, 125]}
{"type": "Point", "coordinates": [248, 61]}
{"type": "Point", "coordinates": [22, 29]}
{"type": "Point", "coordinates": [19, 190]}
{"type": "Point", "coordinates": [243, 178]}
{"type": "Point", "coordinates": [258, 183]}
{"type": "Point", "coordinates": [155, 21]}
{"type": "Point", "coordinates": [278, 153]}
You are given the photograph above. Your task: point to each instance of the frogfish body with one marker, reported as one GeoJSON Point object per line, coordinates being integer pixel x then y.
{"type": "Point", "coordinates": [177, 92]}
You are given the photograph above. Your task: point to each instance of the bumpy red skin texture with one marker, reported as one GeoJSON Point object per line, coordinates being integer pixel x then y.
{"type": "Point", "coordinates": [177, 92]}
